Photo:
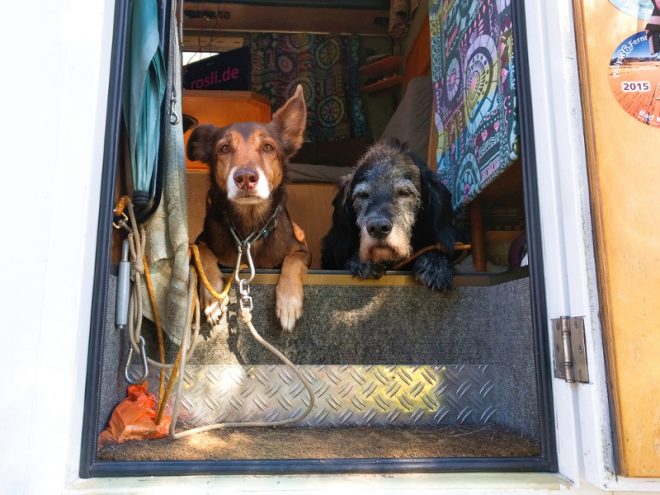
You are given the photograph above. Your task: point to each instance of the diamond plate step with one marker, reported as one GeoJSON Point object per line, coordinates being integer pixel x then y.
{"type": "Point", "coordinates": [348, 395]}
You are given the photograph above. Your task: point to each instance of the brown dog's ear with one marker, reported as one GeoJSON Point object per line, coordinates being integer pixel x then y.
{"type": "Point", "coordinates": [289, 122]}
{"type": "Point", "coordinates": [201, 143]}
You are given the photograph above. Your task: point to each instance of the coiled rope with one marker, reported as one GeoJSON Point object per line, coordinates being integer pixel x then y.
{"type": "Point", "coordinates": [139, 267]}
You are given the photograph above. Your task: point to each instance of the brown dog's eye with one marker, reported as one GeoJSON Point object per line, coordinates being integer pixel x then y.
{"type": "Point", "coordinates": [224, 148]}
{"type": "Point", "coordinates": [267, 147]}
{"type": "Point", "coordinates": [404, 193]}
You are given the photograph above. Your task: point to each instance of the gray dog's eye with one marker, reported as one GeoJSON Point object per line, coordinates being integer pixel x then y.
{"type": "Point", "coordinates": [361, 194]}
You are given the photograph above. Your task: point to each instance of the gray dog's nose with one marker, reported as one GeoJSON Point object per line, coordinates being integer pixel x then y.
{"type": "Point", "coordinates": [246, 178]}
{"type": "Point", "coordinates": [379, 228]}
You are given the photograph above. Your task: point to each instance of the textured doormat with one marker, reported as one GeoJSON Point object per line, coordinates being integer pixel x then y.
{"type": "Point", "coordinates": [330, 443]}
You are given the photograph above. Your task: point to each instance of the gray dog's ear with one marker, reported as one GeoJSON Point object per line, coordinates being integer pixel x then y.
{"type": "Point", "coordinates": [435, 216]}
{"type": "Point", "coordinates": [344, 190]}
{"type": "Point", "coordinates": [289, 122]}
{"type": "Point", "coordinates": [341, 242]}
{"type": "Point", "coordinates": [202, 141]}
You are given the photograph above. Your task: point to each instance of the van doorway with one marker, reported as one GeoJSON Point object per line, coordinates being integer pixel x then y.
{"type": "Point", "coordinates": [404, 378]}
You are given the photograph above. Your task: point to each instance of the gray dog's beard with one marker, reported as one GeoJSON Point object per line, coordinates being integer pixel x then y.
{"type": "Point", "coordinates": [393, 249]}
{"type": "Point", "coordinates": [383, 254]}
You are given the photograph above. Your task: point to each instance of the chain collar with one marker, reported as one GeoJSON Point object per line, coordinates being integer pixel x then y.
{"type": "Point", "coordinates": [244, 246]}
{"type": "Point", "coordinates": [255, 235]}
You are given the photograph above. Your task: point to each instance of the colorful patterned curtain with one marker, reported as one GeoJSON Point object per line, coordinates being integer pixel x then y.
{"type": "Point", "coordinates": [326, 66]}
{"type": "Point", "coordinates": [474, 93]}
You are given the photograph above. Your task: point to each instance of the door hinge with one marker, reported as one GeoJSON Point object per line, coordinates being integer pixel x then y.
{"type": "Point", "coordinates": [570, 357]}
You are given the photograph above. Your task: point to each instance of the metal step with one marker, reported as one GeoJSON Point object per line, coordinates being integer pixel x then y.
{"type": "Point", "coordinates": [345, 395]}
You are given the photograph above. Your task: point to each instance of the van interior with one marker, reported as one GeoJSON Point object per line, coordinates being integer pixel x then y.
{"type": "Point", "coordinates": [398, 371]}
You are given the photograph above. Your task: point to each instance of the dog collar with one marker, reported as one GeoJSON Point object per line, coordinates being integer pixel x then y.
{"type": "Point", "coordinates": [264, 232]}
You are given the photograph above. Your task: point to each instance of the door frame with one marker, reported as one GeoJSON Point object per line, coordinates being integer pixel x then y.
{"type": "Point", "coordinates": [582, 415]}
{"type": "Point", "coordinates": [545, 462]}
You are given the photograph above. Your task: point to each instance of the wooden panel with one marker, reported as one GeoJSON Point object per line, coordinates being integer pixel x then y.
{"type": "Point", "coordinates": [198, 189]}
{"type": "Point", "coordinates": [390, 82]}
{"type": "Point", "coordinates": [223, 108]}
{"type": "Point", "coordinates": [217, 17]}
{"type": "Point", "coordinates": [418, 61]}
{"type": "Point", "coordinates": [310, 206]}
{"type": "Point", "coordinates": [624, 183]}
{"type": "Point", "coordinates": [384, 66]}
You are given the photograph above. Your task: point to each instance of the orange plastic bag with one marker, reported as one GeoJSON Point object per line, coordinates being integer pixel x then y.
{"type": "Point", "coordinates": [134, 418]}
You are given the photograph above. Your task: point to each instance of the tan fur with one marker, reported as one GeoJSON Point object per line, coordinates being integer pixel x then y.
{"type": "Point", "coordinates": [395, 248]}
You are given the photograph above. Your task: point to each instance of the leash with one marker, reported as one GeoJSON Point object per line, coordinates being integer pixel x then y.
{"type": "Point", "coordinates": [244, 249]}
{"type": "Point", "coordinates": [459, 246]}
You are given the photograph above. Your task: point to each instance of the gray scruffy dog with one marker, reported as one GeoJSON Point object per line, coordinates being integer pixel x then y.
{"type": "Point", "coordinates": [391, 206]}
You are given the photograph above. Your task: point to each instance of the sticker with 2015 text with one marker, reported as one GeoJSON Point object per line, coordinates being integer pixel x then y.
{"type": "Point", "coordinates": [636, 86]}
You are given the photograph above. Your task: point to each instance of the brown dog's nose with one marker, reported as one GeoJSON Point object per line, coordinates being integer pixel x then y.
{"type": "Point", "coordinates": [379, 228]}
{"type": "Point", "coordinates": [246, 178]}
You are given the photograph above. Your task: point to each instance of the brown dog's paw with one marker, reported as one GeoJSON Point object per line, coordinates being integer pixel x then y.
{"type": "Point", "coordinates": [213, 309]}
{"type": "Point", "coordinates": [288, 307]}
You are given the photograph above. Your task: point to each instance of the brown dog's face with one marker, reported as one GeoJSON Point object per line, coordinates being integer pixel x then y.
{"type": "Point", "coordinates": [247, 159]}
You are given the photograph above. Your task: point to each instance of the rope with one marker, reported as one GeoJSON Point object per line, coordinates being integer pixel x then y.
{"type": "Point", "coordinates": [121, 205]}
{"type": "Point", "coordinates": [137, 244]}
{"type": "Point", "coordinates": [200, 272]}
{"type": "Point", "coordinates": [140, 266]}
{"type": "Point", "coordinates": [159, 328]}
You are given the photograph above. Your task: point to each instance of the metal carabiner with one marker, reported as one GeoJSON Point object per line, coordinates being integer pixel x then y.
{"type": "Point", "coordinates": [174, 116]}
{"type": "Point", "coordinates": [145, 366]}
{"type": "Point", "coordinates": [250, 262]}
{"type": "Point", "coordinates": [121, 221]}
{"type": "Point", "coordinates": [245, 300]}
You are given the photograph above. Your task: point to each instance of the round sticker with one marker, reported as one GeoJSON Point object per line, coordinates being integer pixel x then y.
{"type": "Point", "coordinates": [635, 79]}
{"type": "Point", "coordinates": [637, 8]}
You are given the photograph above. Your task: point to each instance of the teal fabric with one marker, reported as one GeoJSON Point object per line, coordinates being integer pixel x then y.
{"type": "Point", "coordinates": [144, 76]}
{"type": "Point", "coordinates": [167, 228]}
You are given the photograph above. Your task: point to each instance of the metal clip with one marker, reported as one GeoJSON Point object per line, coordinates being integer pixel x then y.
{"type": "Point", "coordinates": [244, 287]}
{"type": "Point", "coordinates": [246, 303]}
{"type": "Point", "coordinates": [174, 116]}
{"type": "Point", "coordinates": [121, 222]}
{"type": "Point", "coordinates": [145, 366]}
{"type": "Point", "coordinates": [250, 262]}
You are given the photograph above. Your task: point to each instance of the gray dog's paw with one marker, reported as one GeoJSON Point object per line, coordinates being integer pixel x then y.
{"type": "Point", "coordinates": [434, 270]}
{"type": "Point", "coordinates": [365, 270]}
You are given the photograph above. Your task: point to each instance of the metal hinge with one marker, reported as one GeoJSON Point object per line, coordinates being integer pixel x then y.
{"type": "Point", "coordinates": [570, 349]}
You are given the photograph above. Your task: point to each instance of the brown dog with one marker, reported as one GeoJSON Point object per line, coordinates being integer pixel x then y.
{"type": "Point", "coordinates": [248, 164]}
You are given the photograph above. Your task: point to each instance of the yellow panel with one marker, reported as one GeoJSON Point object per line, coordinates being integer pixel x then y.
{"type": "Point", "coordinates": [624, 170]}
{"type": "Point", "coordinates": [223, 108]}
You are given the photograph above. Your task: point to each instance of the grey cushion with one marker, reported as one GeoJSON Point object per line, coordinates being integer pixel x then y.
{"type": "Point", "coordinates": [412, 119]}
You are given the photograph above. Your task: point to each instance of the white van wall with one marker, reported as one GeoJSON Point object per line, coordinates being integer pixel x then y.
{"type": "Point", "coordinates": [54, 84]}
